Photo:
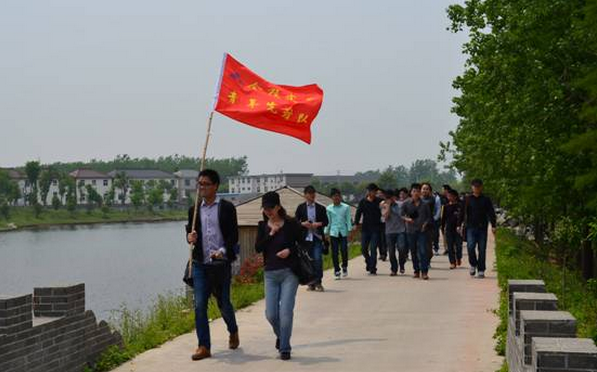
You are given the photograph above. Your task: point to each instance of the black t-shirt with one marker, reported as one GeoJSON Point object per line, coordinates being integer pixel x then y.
{"type": "Point", "coordinates": [271, 248]}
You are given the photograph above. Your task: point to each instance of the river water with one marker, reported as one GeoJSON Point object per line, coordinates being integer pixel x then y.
{"type": "Point", "coordinates": [120, 264]}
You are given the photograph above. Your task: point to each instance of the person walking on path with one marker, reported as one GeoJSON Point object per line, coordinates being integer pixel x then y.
{"type": "Point", "coordinates": [478, 213]}
{"type": "Point", "coordinates": [449, 225]}
{"type": "Point", "coordinates": [313, 218]}
{"type": "Point", "coordinates": [418, 218]}
{"type": "Point", "coordinates": [277, 238]}
{"type": "Point", "coordinates": [395, 232]}
{"type": "Point", "coordinates": [382, 244]}
{"type": "Point", "coordinates": [338, 229]}
{"type": "Point", "coordinates": [434, 204]}
{"type": "Point", "coordinates": [369, 209]}
{"type": "Point", "coordinates": [214, 236]}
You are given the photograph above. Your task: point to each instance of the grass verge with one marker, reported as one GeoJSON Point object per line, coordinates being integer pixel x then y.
{"type": "Point", "coordinates": [520, 259]}
{"type": "Point", "coordinates": [24, 217]}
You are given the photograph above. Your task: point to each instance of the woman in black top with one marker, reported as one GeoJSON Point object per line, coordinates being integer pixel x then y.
{"type": "Point", "coordinates": [277, 238]}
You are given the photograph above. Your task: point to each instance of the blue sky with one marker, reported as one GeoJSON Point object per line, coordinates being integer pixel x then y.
{"type": "Point", "coordinates": [82, 79]}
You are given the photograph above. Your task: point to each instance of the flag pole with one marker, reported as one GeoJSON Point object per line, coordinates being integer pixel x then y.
{"type": "Point", "coordinates": [202, 163]}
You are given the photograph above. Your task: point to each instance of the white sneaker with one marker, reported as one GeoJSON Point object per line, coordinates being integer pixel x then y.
{"type": "Point", "coordinates": [481, 274]}
{"type": "Point", "coordinates": [472, 270]}
{"type": "Point", "coordinates": [345, 274]}
{"type": "Point", "coordinates": [337, 276]}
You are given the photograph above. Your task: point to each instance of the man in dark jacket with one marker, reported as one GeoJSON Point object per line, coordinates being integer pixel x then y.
{"type": "Point", "coordinates": [478, 213]}
{"type": "Point", "coordinates": [313, 219]}
{"type": "Point", "coordinates": [214, 236]}
{"type": "Point", "coordinates": [370, 210]}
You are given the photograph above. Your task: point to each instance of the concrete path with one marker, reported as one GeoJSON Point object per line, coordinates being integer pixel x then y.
{"type": "Point", "coordinates": [362, 324]}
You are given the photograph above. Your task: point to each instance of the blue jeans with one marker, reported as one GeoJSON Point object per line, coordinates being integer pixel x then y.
{"type": "Point", "coordinates": [208, 280]}
{"type": "Point", "coordinates": [316, 253]}
{"type": "Point", "coordinates": [339, 245]}
{"type": "Point", "coordinates": [476, 238]}
{"type": "Point", "coordinates": [369, 239]}
{"type": "Point", "coordinates": [417, 244]}
{"type": "Point", "coordinates": [280, 294]}
{"type": "Point", "coordinates": [397, 242]}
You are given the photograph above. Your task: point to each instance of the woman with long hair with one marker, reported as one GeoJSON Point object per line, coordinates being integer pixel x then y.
{"type": "Point", "coordinates": [277, 238]}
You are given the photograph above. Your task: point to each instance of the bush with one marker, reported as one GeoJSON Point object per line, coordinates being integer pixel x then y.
{"type": "Point", "coordinates": [56, 202]}
{"type": "Point", "coordinates": [5, 210]}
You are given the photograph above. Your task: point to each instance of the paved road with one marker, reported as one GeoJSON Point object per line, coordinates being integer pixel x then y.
{"type": "Point", "coordinates": [361, 324]}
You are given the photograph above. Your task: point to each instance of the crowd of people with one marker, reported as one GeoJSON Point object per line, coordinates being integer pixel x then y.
{"type": "Point", "coordinates": [399, 223]}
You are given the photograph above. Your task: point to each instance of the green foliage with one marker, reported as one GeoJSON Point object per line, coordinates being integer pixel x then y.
{"type": "Point", "coordinates": [32, 170]}
{"type": "Point", "coordinates": [9, 189]}
{"type": "Point", "coordinates": [37, 209]}
{"type": "Point", "coordinates": [226, 167]}
{"type": "Point", "coordinates": [25, 216]}
{"type": "Point", "coordinates": [527, 106]}
{"type": "Point", "coordinates": [155, 196]}
{"type": "Point", "coordinates": [45, 181]}
{"type": "Point", "coordinates": [173, 196]}
{"type": "Point", "coordinates": [56, 204]}
{"type": "Point", "coordinates": [4, 209]}
{"type": "Point", "coordinates": [137, 193]}
{"type": "Point", "coordinates": [94, 198]}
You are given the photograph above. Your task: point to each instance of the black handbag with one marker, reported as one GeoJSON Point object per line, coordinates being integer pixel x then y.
{"type": "Point", "coordinates": [187, 278]}
{"type": "Point", "coordinates": [303, 267]}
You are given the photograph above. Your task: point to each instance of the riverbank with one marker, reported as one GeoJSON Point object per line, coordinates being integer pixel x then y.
{"type": "Point", "coordinates": [24, 218]}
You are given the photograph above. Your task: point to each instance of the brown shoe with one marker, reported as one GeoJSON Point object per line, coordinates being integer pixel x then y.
{"type": "Point", "coordinates": [233, 341]}
{"type": "Point", "coordinates": [201, 353]}
{"type": "Point", "coordinates": [452, 266]}
{"type": "Point", "coordinates": [458, 262]}
{"type": "Point", "coordinates": [425, 276]}
{"type": "Point", "coordinates": [416, 276]}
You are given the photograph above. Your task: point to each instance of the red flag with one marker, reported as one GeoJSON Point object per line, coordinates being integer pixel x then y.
{"type": "Point", "coordinates": [246, 97]}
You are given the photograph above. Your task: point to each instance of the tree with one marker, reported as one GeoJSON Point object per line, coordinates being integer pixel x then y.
{"type": "Point", "coordinates": [110, 196]}
{"type": "Point", "coordinates": [173, 196]}
{"type": "Point", "coordinates": [45, 181]}
{"type": "Point", "coordinates": [56, 203]}
{"type": "Point", "coordinates": [387, 179]}
{"type": "Point", "coordinates": [121, 182]}
{"type": "Point", "coordinates": [32, 170]}
{"type": "Point", "coordinates": [94, 199]}
{"type": "Point", "coordinates": [80, 189]}
{"type": "Point", "coordinates": [4, 208]}
{"type": "Point", "coordinates": [137, 193]}
{"type": "Point", "coordinates": [9, 189]}
{"type": "Point", "coordinates": [527, 108]}
{"type": "Point", "coordinates": [155, 196]}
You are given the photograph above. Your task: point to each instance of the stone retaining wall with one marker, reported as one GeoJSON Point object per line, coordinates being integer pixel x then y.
{"type": "Point", "coordinates": [541, 338]}
{"type": "Point", "coordinates": [50, 331]}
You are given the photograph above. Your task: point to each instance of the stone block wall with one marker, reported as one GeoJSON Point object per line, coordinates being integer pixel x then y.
{"type": "Point", "coordinates": [61, 337]}
{"type": "Point", "coordinates": [541, 338]}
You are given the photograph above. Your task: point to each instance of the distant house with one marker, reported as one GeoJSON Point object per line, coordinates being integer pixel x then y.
{"type": "Point", "coordinates": [101, 182]}
{"type": "Point", "coordinates": [267, 182]}
{"type": "Point", "coordinates": [21, 180]}
{"type": "Point", "coordinates": [145, 176]}
{"type": "Point", "coordinates": [186, 180]}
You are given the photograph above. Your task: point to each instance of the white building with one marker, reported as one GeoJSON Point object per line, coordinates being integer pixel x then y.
{"type": "Point", "coordinates": [186, 181]}
{"type": "Point", "coordinates": [22, 182]}
{"type": "Point", "coordinates": [101, 182]}
{"type": "Point", "coordinates": [267, 182]}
